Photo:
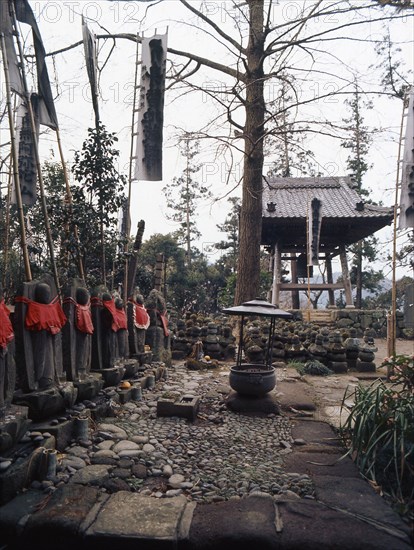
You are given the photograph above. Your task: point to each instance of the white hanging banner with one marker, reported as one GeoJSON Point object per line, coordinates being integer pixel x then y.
{"type": "Point", "coordinates": [148, 165]}
{"type": "Point", "coordinates": [407, 180]}
{"type": "Point", "coordinates": [6, 28]}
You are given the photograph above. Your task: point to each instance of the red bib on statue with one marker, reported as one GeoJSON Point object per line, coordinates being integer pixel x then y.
{"type": "Point", "coordinates": [119, 319]}
{"type": "Point", "coordinates": [48, 317]}
{"type": "Point", "coordinates": [141, 317]}
{"type": "Point", "coordinates": [6, 328]}
{"type": "Point", "coordinates": [83, 319]}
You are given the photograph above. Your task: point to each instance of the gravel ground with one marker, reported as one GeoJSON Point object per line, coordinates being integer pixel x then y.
{"type": "Point", "coordinates": [221, 455]}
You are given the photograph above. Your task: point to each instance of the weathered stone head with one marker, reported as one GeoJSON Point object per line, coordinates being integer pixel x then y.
{"type": "Point", "coordinates": [82, 296]}
{"type": "Point", "coordinates": [156, 301]}
{"type": "Point", "coordinates": [43, 293]}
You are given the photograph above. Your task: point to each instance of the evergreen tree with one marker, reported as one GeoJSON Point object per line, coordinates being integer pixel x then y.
{"type": "Point", "coordinates": [358, 143]}
{"type": "Point", "coordinates": [184, 195]}
{"type": "Point", "coordinates": [230, 227]}
{"type": "Point", "coordinates": [97, 200]}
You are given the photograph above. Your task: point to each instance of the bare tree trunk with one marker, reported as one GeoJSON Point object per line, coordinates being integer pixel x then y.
{"type": "Point", "coordinates": [248, 269]}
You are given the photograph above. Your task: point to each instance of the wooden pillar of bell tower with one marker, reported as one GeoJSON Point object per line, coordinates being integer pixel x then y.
{"type": "Point", "coordinates": [294, 276]}
{"type": "Point", "coordinates": [277, 274]}
{"type": "Point", "coordinates": [329, 277]}
{"type": "Point", "coordinates": [346, 277]}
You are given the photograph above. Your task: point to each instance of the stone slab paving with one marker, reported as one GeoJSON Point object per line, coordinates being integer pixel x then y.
{"type": "Point", "coordinates": [135, 518]}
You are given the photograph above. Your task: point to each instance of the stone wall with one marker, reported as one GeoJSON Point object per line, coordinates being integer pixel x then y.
{"type": "Point", "coordinates": [362, 319]}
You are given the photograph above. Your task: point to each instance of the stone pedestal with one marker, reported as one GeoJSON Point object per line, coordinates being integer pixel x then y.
{"type": "Point", "coordinates": [13, 426]}
{"type": "Point", "coordinates": [131, 368]}
{"type": "Point", "coordinates": [63, 432]}
{"type": "Point", "coordinates": [89, 387]}
{"type": "Point", "coordinates": [41, 404]}
{"type": "Point", "coordinates": [186, 406]}
{"type": "Point", "coordinates": [112, 376]}
{"type": "Point", "coordinates": [267, 404]}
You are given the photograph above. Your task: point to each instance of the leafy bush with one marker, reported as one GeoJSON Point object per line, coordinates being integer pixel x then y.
{"type": "Point", "coordinates": [379, 433]}
{"type": "Point", "coordinates": [316, 368]}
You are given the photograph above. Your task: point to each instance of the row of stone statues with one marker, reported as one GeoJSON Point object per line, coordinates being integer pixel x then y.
{"type": "Point", "coordinates": [49, 342]}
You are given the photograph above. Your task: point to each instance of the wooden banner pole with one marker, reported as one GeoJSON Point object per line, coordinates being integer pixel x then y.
{"type": "Point", "coordinates": [20, 211]}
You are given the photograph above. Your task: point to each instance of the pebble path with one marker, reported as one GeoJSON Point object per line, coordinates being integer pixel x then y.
{"type": "Point", "coordinates": [222, 455]}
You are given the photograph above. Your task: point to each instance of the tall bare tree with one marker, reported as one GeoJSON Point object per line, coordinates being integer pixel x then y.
{"type": "Point", "coordinates": [262, 52]}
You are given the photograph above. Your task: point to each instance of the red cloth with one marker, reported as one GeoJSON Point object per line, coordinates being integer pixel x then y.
{"type": "Point", "coordinates": [83, 319]}
{"type": "Point", "coordinates": [164, 320]}
{"type": "Point", "coordinates": [119, 319]}
{"type": "Point", "coordinates": [83, 316]}
{"type": "Point", "coordinates": [39, 316]}
{"type": "Point", "coordinates": [6, 328]}
{"type": "Point", "coordinates": [141, 317]}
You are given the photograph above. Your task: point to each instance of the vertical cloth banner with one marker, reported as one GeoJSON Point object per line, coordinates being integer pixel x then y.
{"type": "Point", "coordinates": [314, 231]}
{"type": "Point", "coordinates": [148, 165]}
{"type": "Point", "coordinates": [26, 152]}
{"type": "Point", "coordinates": [407, 180]}
{"type": "Point", "coordinates": [47, 112]}
{"type": "Point", "coordinates": [89, 45]}
{"type": "Point", "coordinates": [6, 28]}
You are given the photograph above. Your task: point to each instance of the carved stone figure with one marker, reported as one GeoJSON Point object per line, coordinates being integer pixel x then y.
{"type": "Point", "coordinates": [121, 332]}
{"type": "Point", "coordinates": [138, 322]}
{"type": "Point", "coordinates": [157, 335]}
{"type": "Point", "coordinates": [7, 365]}
{"type": "Point", "coordinates": [77, 333]}
{"type": "Point", "coordinates": [39, 320]}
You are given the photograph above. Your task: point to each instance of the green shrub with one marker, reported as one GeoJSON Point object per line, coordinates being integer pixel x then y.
{"type": "Point", "coordinates": [379, 433]}
{"type": "Point", "coordinates": [316, 368]}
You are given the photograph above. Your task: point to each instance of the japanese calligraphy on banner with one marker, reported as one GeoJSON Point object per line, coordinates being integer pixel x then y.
{"type": "Point", "coordinates": [26, 154]}
{"type": "Point", "coordinates": [148, 165]}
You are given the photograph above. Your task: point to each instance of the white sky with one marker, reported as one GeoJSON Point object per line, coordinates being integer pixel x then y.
{"type": "Point", "coordinates": [60, 25]}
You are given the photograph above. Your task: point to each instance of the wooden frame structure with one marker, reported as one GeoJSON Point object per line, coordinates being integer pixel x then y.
{"type": "Point", "coordinates": [345, 220]}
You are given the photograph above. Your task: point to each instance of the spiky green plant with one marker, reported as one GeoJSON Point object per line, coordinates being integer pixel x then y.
{"type": "Point", "coordinates": [379, 433]}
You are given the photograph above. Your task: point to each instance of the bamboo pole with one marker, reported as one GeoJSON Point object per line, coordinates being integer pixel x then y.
{"type": "Point", "coordinates": [69, 201]}
{"type": "Point", "coordinates": [7, 223]}
{"type": "Point", "coordinates": [36, 153]}
{"type": "Point", "coordinates": [20, 211]}
{"type": "Point", "coordinates": [392, 322]}
{"type": "Point", "coordinates": [128, 208]}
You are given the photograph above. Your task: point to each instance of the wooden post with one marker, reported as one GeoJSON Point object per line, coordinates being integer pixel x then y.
{"type": "Point", "coordinates": [7, 224]}
{"type": "Point", "coordinates": [132, 264]}
{"type": "Point", "coordinates": [159, 269]}
{"type": "Point", "coordinates": [277, 268]}
{"type": "Point", "coordinates": [346, 277]}
{"type": "Point", "coordinates": [70, 205]}
{"type": "Point", "coordinates": [294, 272]}
{"type": "Point", "coordinates": [392, 321]}
{"type": "Point", "coordinates": [329, 277]}
{"type": "Point", "coordinates": [127, 285]}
